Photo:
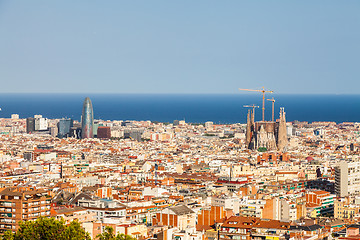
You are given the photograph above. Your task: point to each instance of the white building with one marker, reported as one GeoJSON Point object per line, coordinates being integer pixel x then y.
{"type": "Point", "coordinates": [41, 124]}
{"type": "Point", "coordinates": [104, 208]}
{"type": "Point", "coordinates": [284, 210]}
{"type": "Point", "coordinates": [347, 178]}
{"type": "Point", "coordinates": [227, 202]}
{"type": "Point", "coordinates": [14, 116]}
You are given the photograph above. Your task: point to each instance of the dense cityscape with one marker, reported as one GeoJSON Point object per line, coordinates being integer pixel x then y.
{"type": "Point", "coordinates": [179, 120]}
{"type": "Point", "coordinates": [152, 180]}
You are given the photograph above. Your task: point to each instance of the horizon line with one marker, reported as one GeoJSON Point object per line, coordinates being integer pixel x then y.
{"type": "Point", "coordinates": [139, 93]}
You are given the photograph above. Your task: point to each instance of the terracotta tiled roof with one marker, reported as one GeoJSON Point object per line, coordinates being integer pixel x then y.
{"type": "Point", "coordinates": [252, 222]}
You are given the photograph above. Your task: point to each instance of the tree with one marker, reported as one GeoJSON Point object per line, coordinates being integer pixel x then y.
{"type": "Point", "coordinates": [8, 235]}
{"type": "Point", "coordinates": [109, 234]}
{"type": "Point", "coordinates": [262, 149]}
{"type": "Point", "coordinates": [124, 237]}
{"type": "Point", "coordinates": [48, 229]}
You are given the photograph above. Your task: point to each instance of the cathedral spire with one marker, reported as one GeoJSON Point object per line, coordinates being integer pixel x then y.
{"type": "Point", "coordinates": [248, 129]}
{"type": "Point", "coordinates": [282, 136]}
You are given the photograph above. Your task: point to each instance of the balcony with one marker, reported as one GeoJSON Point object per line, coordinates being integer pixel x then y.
{"type": "Point", "coordinates": [6, 215]}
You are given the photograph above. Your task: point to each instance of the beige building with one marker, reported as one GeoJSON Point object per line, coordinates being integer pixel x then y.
{"type": "Point", "coordinates": [70, 214]}
{"type": "Point", "coordinates": [347, 178]}
{"type": "Point", "coordinates": [344, 209]}
{"type": "Point", "coordinates": [180, 216]}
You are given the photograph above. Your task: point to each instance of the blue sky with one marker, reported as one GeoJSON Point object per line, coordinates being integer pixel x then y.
{"type": "Point", "coordinates": [186, 46]}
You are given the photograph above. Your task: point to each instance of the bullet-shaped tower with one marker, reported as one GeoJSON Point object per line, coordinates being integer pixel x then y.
{"type": "Point", "coordinates": [87, 119]}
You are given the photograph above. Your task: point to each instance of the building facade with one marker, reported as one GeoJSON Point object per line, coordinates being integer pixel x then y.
{"type": "Point", "coordinates": [344, 208]}
{"type": "Point", "coordinates": [41, 124]}
{"type": "Point", "coordinates": [347, 178]}
{"type": "Point", "coordinates": [251, 228]}
{"type": "Point", "coordinates": [104, 132]}
{"type": "Point", "coordinates": [22, 204]}
{"type": "Point", "coordinates": [87, 119]}
{"type": "Point", "coordinates": [320, 203]}
{"type": "Point", "coordinates": [64, 127]}
{"type": "Point", "coordinates": [30, 125]}
{"type": "Point", "coordinates": [269, 135]}
{"type": "Point", "coordinates": [179, 216]}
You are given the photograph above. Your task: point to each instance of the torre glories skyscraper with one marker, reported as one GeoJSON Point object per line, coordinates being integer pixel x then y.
{"type": "Point", "coordinates": [87, 119]}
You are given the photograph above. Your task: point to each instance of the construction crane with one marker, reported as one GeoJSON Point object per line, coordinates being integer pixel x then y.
{"type": "Point", "coordinates": [273, 102]}
{"type": "Point", "coordinates": [263, 91]}
{"type": "Point", "coordinates": [253, 108]}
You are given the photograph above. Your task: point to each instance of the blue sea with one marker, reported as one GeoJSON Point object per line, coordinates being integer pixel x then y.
{"type": "Point", "coordinates": [196, 108]}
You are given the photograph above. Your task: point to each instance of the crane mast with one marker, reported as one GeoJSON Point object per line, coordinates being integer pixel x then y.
{"type": "Point", "coordinates": [263, 91]}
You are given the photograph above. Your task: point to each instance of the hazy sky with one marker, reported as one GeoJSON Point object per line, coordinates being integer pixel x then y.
{"type": "Point", "coordinates": [187, 46]}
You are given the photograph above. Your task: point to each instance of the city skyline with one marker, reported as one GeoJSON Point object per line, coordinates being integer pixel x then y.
{"type": "Point", "coordinates": [214, 120]}
{"type": "Point", "coordinates": [179, 47]}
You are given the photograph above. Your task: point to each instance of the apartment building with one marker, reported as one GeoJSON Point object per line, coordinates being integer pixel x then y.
{"type": "Point", "coordinates": [70, 214]}
{"type": "Point", "coordinates": [179, 216]}
{"type": "Point", "coordinates": [347, 178]}
{"type": "Point", "coordinates": [280, 208]}
{"type": "Point", "coordinates": [104, 208]}
{"type": "Point", "coordinates": [228, 202]}
{"type": "Point", "coordinates": [319, 203]}
{"type": "Point", "coordinates": [248, 228]}
{"type": "Point", "coordinates": [22, 204]}
{"type": "Point", "coordinates": [208, 216]}
{"type": "Point", "coordinates": [252, 207]}
{"type": "Point", "coordinates": [345, 209]}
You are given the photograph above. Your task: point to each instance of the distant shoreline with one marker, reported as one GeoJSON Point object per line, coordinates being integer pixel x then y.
{"type": "Point", "coordinates": [195, 108]}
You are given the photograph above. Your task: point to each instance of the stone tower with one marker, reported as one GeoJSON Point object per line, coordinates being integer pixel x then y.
{"type": "Point", "coordinates": [282, 136]}
{"type": "Point", "coordinates": [248, 130]}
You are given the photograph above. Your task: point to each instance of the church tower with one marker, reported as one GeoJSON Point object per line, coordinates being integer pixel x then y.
{"type": "Point", "coordinates": [282, 136]}
{"type": "Point", "coordinates": [248, 130]}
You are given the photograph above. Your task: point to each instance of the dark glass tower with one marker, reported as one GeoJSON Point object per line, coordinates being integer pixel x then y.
{"type": "Point", "coordinates": [64, 126]}
{"type": "Point", "coordinates": [87, 120]}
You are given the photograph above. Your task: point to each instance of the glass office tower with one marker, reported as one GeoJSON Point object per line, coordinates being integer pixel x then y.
{"type": "Point", "coordinates": [87, 119]}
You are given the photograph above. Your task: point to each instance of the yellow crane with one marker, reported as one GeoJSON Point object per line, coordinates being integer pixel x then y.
{"type": "Point", "coordinates": [273, 103]}
{"type": "Point", "coordinates": [263, 91]}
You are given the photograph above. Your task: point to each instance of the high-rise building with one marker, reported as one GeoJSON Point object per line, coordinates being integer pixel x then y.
{"type": "Point", "coordinates": [95, 129]}
{"type": "Point", "coordinates": [104, 132]}
{"type": "Point", "coordinates": [347, 181]}
{"type": "Point", "coordinates": [30, 125]}
{"type": "Point", "coordinates": [87, 119]}
{"type": "Point", "coordinates": [53, 131]}
{"type": "Point", "coordinates": [41, 124]}
{"type": "Point", "coordinates": [64, 127]}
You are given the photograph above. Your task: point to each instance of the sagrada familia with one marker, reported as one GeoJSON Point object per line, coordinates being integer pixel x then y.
{"type": "Point", "coordinates": [266, 134]}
